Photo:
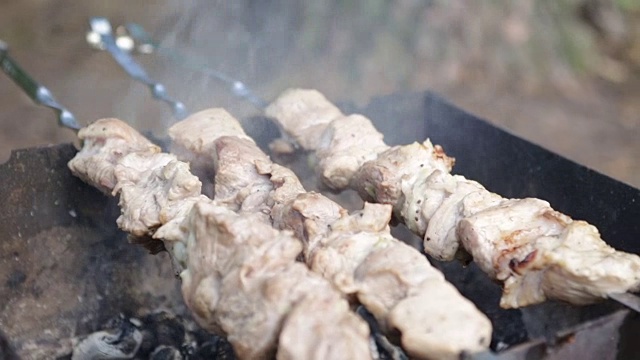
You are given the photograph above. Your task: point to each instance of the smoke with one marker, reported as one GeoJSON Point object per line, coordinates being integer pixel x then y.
{"type": "Point", "coordinates": [494, 58]}
{"type": "Point", "coordinates": [502, 60]}
{"type": "Point", "coordinates": [354, 50]}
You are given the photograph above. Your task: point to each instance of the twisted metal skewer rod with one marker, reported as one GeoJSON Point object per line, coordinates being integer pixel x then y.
{"type": "Point", "coordinates": [38, 93]}
{"type": "Point", "coordinates": [101, 28]}
{"type": "Point", "coordinates": [134, 36]}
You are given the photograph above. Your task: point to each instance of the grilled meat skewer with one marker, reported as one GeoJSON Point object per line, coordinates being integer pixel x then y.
{"type": "Point", "coordinates": [356, 252]}
{"type": "Point", "coordinates": [240, 276]}
{"type": "Point", "coordinates": [535, 251]}
{"type": "Point", "coordinates": [174, 221]}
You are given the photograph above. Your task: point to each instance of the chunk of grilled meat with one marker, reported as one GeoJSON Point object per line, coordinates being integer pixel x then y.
{"type": "Point", "coordinates": [240, 277]}
{"type": "Point", "coordinates": [356, 252]}
{"type": "Point", "coordinates": [104, 143]}
{"type": "Point", "coordinates": [535, 251]}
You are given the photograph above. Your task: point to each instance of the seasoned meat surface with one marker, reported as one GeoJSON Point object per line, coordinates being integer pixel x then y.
{"type": "Point", "coordinates": [155, 189]}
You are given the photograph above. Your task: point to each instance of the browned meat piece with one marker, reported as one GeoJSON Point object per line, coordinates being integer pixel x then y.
{"type": "Point", "coordinates": [154, 188]}
{"type": "Point", "coordinates": [237, 183]}
{"type": "Point", "coordinates": [338, 335]}
{"type": "Point", "coordinates": [193, 140]}
{"type": "Point", "coordinates": [291, 206]}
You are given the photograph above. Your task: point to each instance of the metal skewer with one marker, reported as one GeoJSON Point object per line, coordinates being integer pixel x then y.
{"type": "Point", "coordinates": [631, 301]}
{"type": "Point", "coordinates": [134, 37]}
{"type": "Point", "coordinates": [101, 36]}
{"type": "Point", "coordinates": [38, 93]}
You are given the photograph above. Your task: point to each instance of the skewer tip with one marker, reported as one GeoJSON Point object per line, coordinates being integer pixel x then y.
{"type": "Point", "coordinates": [631, 301]}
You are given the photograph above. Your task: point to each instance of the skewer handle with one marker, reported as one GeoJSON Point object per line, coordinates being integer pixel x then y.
{"type": "Point", "coordinates": [38, 93]}
{"type": "Point", "coordinates": [102, 28]}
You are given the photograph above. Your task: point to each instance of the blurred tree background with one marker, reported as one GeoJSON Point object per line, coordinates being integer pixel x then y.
{"type": "Point", "coordinates": [564, 74]}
